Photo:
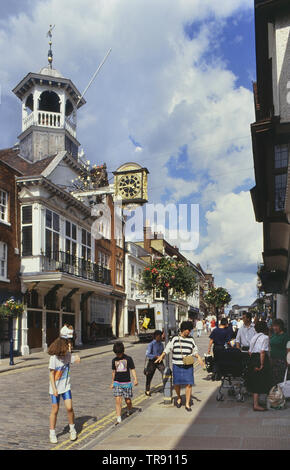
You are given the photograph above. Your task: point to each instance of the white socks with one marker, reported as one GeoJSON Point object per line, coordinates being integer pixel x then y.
{"type": "Point", "coordinates": [52, 432]}
{"type": "Point", "coordinates": [119, 419]}
{"type": "Point", "coordinates": [71, 427]}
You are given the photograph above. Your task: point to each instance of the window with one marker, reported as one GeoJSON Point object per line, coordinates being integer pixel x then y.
{"type": "Point", "coordinates": [132, 271]}
{"type": "Point", "coordinates": [119, 232]}
{"type": "Point", "coordinates": [281, 155]}
{"type": "Point", "coordinates": [26, 230]}
{"type": "Point", "coordinates": [132, 292]}
{"type": "Point", "coordinates": [3, 206]}
{"type": "Point", "coordinates": [280, 191]}
{"type": "Point", "coordinates": [119, 273]}
{"type": "Point", "coordinates": [52, 226]}
{"type": "Point", "coordinates": [3, 260]}
{"type": "Point", "coordinates": [70, 238]}
{"type": "Point", "coordinates": [86, 245]}
{"type": "Point", "coordinates": [104, 260]}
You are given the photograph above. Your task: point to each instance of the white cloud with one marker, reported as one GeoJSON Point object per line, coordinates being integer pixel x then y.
{"type": "Point", "coordinates": [243, 293]}
{"type": "Point", "coordinates": [234, 240]}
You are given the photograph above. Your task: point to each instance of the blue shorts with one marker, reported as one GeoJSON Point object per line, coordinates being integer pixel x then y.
{"type": "Point", "coordinates": [65, 396]}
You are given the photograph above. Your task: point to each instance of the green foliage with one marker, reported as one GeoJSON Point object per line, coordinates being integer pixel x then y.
{"type": "Point", "coordinates": [217, 297]}
{"type": "Point", "coordinates": [167, 273]}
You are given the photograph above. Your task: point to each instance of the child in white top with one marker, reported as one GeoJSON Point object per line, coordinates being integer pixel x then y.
{"type": "Point", "coordinates": [59, 381]}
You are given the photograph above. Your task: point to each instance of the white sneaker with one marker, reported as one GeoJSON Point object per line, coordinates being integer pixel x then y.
{"type": "Point", "coordinates": [119, 420]}
{"type": "Point", "coordinates": [73, 435]}
{"type": "Point", "coordinates": [52, 438]}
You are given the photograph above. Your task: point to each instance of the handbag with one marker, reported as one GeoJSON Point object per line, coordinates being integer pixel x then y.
{"type": "Point", "coordinates": [187, 360]}
{"type": "Point", "coordinates": [285, 386]}
{"type": "Point", "coordinates": [276, 399]}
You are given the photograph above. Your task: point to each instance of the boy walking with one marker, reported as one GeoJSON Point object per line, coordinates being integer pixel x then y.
{"type": "Point", "coordinates": [122, 365]}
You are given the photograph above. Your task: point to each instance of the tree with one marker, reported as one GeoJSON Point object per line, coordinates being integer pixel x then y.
{"type": "Point", "coordinates": [167, 274]}
{"type": "Point", "coordinates": [218, 297]}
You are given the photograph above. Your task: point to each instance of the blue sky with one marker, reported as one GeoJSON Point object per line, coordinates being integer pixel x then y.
{"type": "Point", "coordinates": [174, 95]}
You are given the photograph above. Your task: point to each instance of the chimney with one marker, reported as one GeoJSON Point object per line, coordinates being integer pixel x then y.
{"type": "Point", "coordinates": [147, 236]}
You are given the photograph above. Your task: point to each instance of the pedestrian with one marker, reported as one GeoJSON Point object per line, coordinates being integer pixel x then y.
{"type": "Point", "coordinates": [183, 350]}
{"type": "Point", "coordinates": [219, 337]}
{"type": "Point", "coordinates": [207, 326]}
{"type": "Point", "coordinates": [240, 323]}
{"type": "Point", "coordinates": [234, 324]}
{"type": "Point", "coordinates": [154, 350]}
{"type": "Point", "coordinates": [278, 351]}
{"type": "Point", "coordinates": [122, 365]}
{"type": "Point", "coordinates": [259, 372]}
{"type": "Point", "coordinates": [199, 326]}
{"type": "Point", "coordinates": [59, 386]}
{"type": "Point", "coordinates": [245, 333]}
{"type": "Point", "coordinates": [212, 324]}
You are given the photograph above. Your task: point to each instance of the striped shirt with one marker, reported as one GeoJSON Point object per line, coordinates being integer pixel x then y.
{"type": "Point", "coordinates": [188, 348]}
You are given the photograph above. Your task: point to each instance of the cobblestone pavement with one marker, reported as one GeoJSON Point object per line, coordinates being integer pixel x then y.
{"type": "Point", "coordinates": [25, 404]}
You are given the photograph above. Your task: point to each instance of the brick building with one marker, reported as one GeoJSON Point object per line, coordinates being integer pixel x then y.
{"type": "Point", "coordinates": [9, 244]}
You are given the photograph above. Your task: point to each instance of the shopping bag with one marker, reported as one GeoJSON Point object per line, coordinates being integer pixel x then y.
{"type": "Point", "coordinates": [276, 399]}
{"type": "Point", "coordinates": [285, 386]}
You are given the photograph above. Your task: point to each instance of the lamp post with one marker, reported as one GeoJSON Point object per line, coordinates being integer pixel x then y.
{"type": "Point", "coordinates": [11, 341]}
{"type": "Point", "coordinates": [167, 376]}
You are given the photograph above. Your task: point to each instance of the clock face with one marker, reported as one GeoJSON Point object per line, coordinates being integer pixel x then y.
{"type": "Point", "coordinates": [130, 186]}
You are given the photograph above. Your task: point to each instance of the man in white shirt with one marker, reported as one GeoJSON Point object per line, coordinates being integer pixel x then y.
{"type": "Point", "coordinates": [245, 333]}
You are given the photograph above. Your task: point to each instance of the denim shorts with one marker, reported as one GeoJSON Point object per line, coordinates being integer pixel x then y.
{"type": "Point", "coordinates": [65, 396]}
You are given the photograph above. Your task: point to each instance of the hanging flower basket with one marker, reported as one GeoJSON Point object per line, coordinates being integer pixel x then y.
{"type": "Point", "coordinates": [11, 308]}
{"type": "Point", "coordinates": [169, 274]}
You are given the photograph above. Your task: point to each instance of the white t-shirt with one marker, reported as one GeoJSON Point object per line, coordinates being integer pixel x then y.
{"type": "Point", "coordinates": [259, 342]}
{"type": "Point", "coordinates": [199, 325]}
{"type": "Point", "coordinates": [61, 365]}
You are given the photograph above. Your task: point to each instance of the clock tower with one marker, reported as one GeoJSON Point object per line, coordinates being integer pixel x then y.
{"type": "Point", "coordinates": [49, 113]}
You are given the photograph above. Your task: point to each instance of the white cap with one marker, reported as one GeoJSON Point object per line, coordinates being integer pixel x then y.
{"type": "Point", "coordinates": [66, 333]}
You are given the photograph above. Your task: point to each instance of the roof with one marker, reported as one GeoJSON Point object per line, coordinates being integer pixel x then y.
{"type": "Point", "coordinates": [43, 80]}
{"type": "Point", "coordinates": [11, 158]}
{"type": "Point", "coordinates": [50, 72]}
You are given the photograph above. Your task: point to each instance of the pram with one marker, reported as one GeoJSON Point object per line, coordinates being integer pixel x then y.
{"type": "Point", "coordinates": [231, 366]}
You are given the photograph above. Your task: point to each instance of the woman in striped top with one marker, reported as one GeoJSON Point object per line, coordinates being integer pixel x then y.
{"type": "Point", "coordinates": [182, 346]}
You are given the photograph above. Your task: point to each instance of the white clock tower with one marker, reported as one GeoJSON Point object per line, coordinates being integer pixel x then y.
{"type": "Point", "coordinates": [49, 113]}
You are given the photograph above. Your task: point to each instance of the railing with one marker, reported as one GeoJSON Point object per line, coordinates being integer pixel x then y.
{"type": "Point", "coordinates": [70, 127]}
{"type": "Point", "coordinates": [28, 121]}
{"type": "Point", "coordinates": [48, 119]}
{"type": "Point", "coordinates": [70, 264]}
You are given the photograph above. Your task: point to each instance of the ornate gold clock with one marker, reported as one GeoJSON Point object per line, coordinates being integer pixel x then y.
{"type": "Point", "coordinates": [131, 184]}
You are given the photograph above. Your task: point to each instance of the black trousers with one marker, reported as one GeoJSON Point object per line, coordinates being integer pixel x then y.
{"type": "Point", "coordinates": [151, 368]}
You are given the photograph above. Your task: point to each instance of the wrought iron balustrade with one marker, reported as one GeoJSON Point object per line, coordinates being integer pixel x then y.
{"type": "Point", "coordinates": [70, 264]}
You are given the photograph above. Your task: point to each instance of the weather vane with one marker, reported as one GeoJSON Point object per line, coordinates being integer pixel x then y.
{"type": "Point", "coordinates": [49, 35]}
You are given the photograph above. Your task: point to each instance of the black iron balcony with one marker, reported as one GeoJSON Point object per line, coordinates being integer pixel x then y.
{"type": "Point", "coordinates": [70, 264]}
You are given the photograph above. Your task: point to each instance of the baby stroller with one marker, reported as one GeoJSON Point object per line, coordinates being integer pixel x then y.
{"type": "Point", "coordinates": [231, 366]}
{"type": "Point", "coordinates": [209, 363]}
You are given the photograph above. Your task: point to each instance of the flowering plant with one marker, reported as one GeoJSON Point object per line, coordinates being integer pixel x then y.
{"type": "Point", "coordinates": [167, 273]}
{"type": "Point", "coordinates": [10, 308]}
